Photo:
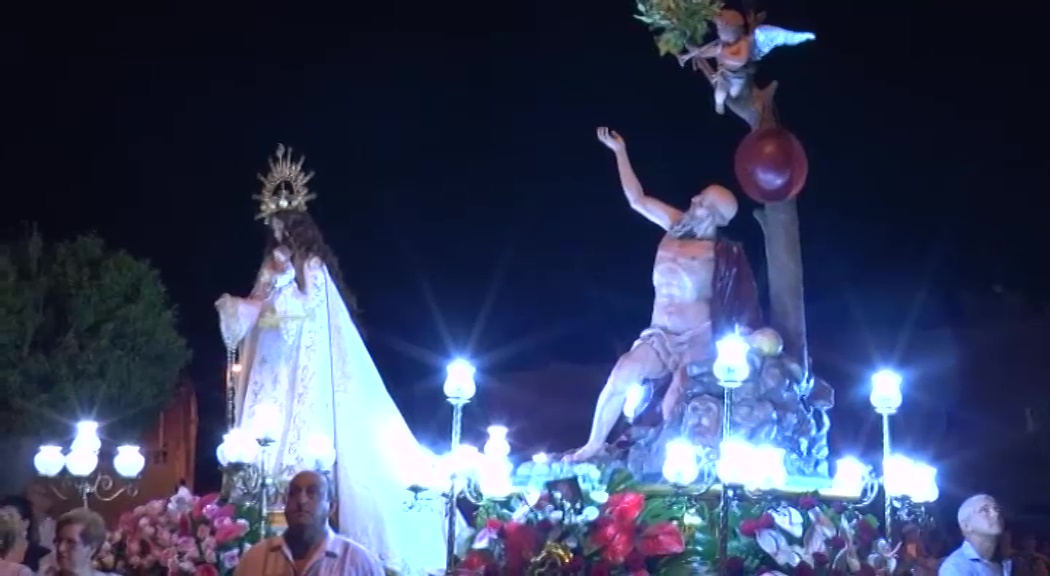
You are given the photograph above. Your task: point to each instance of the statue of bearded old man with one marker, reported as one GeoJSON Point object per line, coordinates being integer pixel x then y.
{"type": "Point", "coordinates": [704, 289]}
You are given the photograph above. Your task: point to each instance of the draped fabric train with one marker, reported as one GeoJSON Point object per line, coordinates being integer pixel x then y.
{"type": "Point", "coordinates": [306, 356]}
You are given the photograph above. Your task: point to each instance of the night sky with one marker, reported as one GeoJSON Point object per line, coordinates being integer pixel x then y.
{"type": "Point", "coordinates": [460, 182]}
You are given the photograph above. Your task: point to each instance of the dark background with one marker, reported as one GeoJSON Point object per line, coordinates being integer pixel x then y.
{"type": "Point", "coordinates": [460, 182]}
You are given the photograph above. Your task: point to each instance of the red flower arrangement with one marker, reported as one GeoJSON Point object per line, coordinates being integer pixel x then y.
{"type": "Point", "coordinates": [615, 529]}
{"type": "Point", "coordinates": [617, 534]}
{"type": "Point", "coordinates": [597, 533]}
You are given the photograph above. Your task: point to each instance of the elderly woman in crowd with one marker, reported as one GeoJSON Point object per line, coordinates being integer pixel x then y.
{"type": "Point", "coordinates": [26, 551]}
{"type": "Point", "coordinates": [10, 527]}
{"type": "Point", "coordinates": [78, 536]}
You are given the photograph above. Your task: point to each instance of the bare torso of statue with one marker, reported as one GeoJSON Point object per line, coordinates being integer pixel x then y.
{"type": "Point", "coordinates": [683, 279]}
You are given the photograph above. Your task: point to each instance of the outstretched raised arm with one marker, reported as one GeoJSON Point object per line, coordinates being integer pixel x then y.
{"type": "Point", "coordinates": [654, 210]}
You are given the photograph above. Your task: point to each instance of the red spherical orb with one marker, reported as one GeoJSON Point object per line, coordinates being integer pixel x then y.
{"type": "Point", "coordinates": [771, 165]}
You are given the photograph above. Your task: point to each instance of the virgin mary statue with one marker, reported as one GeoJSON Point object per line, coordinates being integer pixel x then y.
{"type": "Point", "coordinates": [303, 363]}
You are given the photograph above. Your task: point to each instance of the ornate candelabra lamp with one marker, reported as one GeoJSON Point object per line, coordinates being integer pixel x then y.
{"type": "Point", "coordinates": [906, 485]}
{"type": "Point", "coordinates": [732, 368]}
{"type": "Point", "coordinates": [459, 389]}
{"type": "Point", "coordinates": [740, 466]}
{"type": "Point", "coordinates": [238, 456]}
{"type": "Point", "coordinates": [886, 399]}
{"type": "Point", "coordinates": [245, 459]}
{"type": "Point", "coordinates": [495, 470]}
{"type": "Point", "coordinates": [76, 472]}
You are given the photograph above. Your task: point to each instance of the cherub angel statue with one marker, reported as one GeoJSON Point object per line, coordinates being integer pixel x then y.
{"type": "Point", "coordinates": [740, 44]}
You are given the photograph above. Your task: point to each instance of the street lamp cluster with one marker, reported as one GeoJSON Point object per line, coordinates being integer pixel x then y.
{"type": "Point", "coordinates": [244, 457]}
{"type": "Point", "coordinates": [77, 470]}
{"type": "Point", "coordinates": [762, 466]}
{"type": "Point", "coordinates": [459, 389]}
{"type": "Point", "coordinates": [741, 464]}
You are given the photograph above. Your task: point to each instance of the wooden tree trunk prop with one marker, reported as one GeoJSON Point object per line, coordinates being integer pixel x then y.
{"type": "Point", "coordinates": [770, 163]}
{"type": "Point", "coordinates": [787, 308]}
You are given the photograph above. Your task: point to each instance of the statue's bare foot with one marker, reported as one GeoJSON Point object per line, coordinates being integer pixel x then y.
{"type": "Point", "coordinates": [584, 454]}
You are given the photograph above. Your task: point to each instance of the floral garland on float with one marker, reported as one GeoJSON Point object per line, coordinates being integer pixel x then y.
{"type": "Point", "coordinates": [588, 525]}
{"type": "Point", "coordinates": [181, 535]}
{"type": "Point", "coordinates": [595, 520]}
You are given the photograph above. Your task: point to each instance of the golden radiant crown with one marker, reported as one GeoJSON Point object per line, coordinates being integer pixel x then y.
{"type": "Point", "coordinates": [284, 186]}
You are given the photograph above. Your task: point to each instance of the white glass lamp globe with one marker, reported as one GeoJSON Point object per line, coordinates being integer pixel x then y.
{"type": "Point", "coordinates": [466, 459]}
{"type": "Point", "coordinates": [81, 463]}
{"type": "Point", "coordinates": [49, 461]}
{"type": "Point", "coordinates": [220, 451]}
{"type": "Point", "coordinates": [240, 447]}
{"type": "Point", "coordinates": [731, 367]}
{"type": "Point", "coordinates": [87, 437]}
{"type": "Point", "coordinates": [462, 463]}
{"type": "Point", "coordinates": [494, 478]}
{"type": "Point", "coordinates": [497, 445]}
{"type": "Point", "coordinates": [319, 448]}
{"type": "Point", "coordinates": [735, 461]}
{"type": "Point", "coordinates": [897, 475]}
{"type": "Point", "coordinates": [886, 395]}
{"type": "Point", "coordinates": [850, 476]}
{"type": "Point", "coordinates": [129, 461]}
{"type": "Point", "coordinates": [680, 466]}
{"type": "Point", "coordinates": [459, 382]}
{"type": "Point", "coordinates": [924, 484]}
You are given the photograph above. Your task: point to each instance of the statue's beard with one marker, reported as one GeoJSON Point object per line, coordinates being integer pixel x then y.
{"type": "Point", "coordinates": [691, 228]}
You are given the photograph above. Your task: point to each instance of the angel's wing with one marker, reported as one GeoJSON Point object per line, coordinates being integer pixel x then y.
{"type": "Point", "coordinates": [769, 37]}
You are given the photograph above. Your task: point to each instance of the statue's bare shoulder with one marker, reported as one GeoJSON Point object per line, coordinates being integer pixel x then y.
{"type": "Point", "coordinates": [657, 211]}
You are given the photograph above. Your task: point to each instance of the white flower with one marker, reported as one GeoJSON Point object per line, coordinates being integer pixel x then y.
{"type": "Point", "coordinates": [788, 519]}
{"type": "Point", "coordinates": [589, 514]}
{"type": "Point", "coordinates": [774, 543]}
{"type": "Point", "coordinates": [521, 513]}
{"type": "Point", "coordinates": [556, 516]}
{"type": "Point", "coordinates": [599, 496]}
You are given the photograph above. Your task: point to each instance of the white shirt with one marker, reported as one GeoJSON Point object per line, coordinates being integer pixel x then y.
{"type": "Point", "coordinates": [45, 532]}
{"type": "Point", "coordinates": [12, 569]}
{"type": "Point", "coordinates": [966, 562]}
{"type": "Point", "coordinates": [339, 556]}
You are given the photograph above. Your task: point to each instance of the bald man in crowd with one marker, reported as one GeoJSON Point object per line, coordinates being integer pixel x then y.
{"type": "Point", "coordinates": [309, 547]}
{"type": "Point", "coordinates": [981, 523]}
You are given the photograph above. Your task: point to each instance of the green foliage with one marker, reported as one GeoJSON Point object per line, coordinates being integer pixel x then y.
{"type": "Point", "coordinates": [489, 510]}
{"type": "Point", "coordinates": [677, 23]}
{"type": "Point", "coordinates": [621, 481]}
{"type": "Point", "coordinates": [84, 332]}
{"type": "Point", "coordinates": [253, 515]}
